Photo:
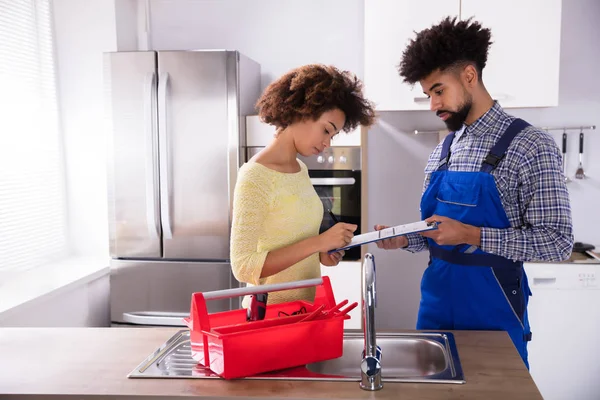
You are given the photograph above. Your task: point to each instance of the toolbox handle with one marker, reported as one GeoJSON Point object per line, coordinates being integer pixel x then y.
{"type": "Point", "coordinates": [274, 287]}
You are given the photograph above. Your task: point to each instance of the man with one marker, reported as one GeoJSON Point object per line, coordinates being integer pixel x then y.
{"type": "Point", "coordinates": [494, 185]}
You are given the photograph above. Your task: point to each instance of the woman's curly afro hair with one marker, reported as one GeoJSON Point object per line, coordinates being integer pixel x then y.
{"type": "Point", "coordinates": [309, 91]}
{"type": "Point", "coordinates": [448, 44]}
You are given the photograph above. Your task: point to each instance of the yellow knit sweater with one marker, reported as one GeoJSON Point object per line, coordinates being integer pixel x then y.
{"type": "Point", "coordinates": [271, 210]}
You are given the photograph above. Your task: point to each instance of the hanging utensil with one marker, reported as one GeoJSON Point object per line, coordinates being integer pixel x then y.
{"type": "Point", "coordinates": [580, 174]}
{"type": "Point", "coordinates": [564, 156]}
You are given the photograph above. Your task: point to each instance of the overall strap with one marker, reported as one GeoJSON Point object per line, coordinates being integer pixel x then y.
{"type": "Point", "coordinates": [473, 260]}
{"type": "Point", "coordinates": [445, 155]}
{"type": "Point", "coordinates": [498, 152]}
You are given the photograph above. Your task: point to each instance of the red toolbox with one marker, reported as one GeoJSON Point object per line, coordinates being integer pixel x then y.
{"type": "Point", "coordinates": [233, 348]}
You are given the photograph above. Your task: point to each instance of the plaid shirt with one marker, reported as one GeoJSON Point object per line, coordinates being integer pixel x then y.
{"type": "Point", "coordinates": [531, 186]}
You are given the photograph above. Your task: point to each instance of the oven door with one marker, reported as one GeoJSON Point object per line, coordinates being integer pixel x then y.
{"type": "Point", "coordinates": [339, 191]}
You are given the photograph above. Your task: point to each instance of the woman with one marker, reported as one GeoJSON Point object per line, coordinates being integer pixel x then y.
{"type": "Point", "coordinates": [276, 211]}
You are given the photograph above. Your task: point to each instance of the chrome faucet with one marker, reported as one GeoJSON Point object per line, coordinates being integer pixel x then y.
{"type": "Point", "coordinates": [370, 367]}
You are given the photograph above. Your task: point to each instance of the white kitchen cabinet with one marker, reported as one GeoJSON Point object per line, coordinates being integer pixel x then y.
{"type": "Point", "coordinates": [564, 314]}
{"type": "Point", "coordinates": [523, 61]}
{"type": "Point", "coordinates": [389, 25]}
{"type": "Point", "coordinates": [346, 284]}
{"type": "Point", "coordinates": [351, 138]}
{"type": "Point", "coordinates": [259, 134]}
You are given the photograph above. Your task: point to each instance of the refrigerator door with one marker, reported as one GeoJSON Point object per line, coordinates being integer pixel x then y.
{"type": "Point", "coordinates": [134, 208]}
{"type": "Point", "coordinates": [199, 151]}
{"type": "Point", "coordinates": [160, 293]}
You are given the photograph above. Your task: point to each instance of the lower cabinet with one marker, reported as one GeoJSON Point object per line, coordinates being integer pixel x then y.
{"type": "Point", "coordinates": [346, 284]}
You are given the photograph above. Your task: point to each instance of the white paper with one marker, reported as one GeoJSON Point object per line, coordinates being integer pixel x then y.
{"type": "Point", "coordinates": [387, 233]}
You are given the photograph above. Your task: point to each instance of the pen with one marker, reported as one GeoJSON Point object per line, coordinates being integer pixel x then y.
{"type": "Point", "coordinates": [332, 215]}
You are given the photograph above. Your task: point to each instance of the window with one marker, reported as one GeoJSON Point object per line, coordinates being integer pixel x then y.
{"type": "Point", "coordinates": [32, 193]}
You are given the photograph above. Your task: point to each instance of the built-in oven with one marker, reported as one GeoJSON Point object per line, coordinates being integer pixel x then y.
{"type": "Point", "coordinates": [336, 176]}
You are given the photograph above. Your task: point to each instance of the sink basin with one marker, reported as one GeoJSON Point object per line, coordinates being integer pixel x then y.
{"type": "Point", "coordinates": [406, 357]}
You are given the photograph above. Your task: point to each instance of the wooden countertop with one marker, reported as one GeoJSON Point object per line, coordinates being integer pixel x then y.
{"type": "Point", "coordinates": [82, 362]}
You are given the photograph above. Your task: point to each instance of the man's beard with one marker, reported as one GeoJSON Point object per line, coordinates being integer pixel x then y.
{"type": "Point", "coordinates": [456, 119]}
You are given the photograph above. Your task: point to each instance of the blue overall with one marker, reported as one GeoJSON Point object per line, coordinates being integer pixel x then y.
{"type": "Point", "coordinates": [463, 287]}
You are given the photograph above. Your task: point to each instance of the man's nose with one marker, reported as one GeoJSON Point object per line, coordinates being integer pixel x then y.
{"type": "Point", "coordinates": [435, 104]}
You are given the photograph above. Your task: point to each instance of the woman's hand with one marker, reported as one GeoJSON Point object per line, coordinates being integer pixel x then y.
{"type": "Point", "coordinates": [337, 236]}
{"type": "Point", "coordinates": [331, 260]}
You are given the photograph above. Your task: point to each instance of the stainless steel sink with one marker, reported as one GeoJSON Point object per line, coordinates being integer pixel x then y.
{"type": "Point", "coordinates": [407, 357]}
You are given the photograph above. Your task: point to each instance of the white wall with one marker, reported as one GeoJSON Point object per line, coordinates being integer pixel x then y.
{"type": "Point", "coordinates": [126, 21]}
{"type": "Point", "coordinates": [84, 29]}
{"type": "Point", "coordinates": [395, 180]}
{"type": "Point", "coordinates": [84, 305]}
{"type": "Point", "coordinates": [579, 103]}
{"type": "Point", "coordinates": [280, 35]}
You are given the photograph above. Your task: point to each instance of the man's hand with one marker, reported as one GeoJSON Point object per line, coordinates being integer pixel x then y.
{"type": "Point", "coordinates": [452, 232]}
{"type": "Point", "coordinates": [331, 260]}
{"type": "Point", "coordinates": [396, 242]}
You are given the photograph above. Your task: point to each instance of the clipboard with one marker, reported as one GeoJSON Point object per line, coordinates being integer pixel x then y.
{"type": "Point", "coordinates": [392, 231]}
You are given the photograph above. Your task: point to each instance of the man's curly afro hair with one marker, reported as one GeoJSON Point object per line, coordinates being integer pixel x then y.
{"type": "Point", "coordinates": [450, 43]}
{"type": "Point", "coordinates": [309, 91]}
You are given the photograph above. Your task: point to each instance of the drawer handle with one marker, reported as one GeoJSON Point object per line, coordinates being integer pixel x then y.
{"type": "Point", "coordinates": [544, 281]}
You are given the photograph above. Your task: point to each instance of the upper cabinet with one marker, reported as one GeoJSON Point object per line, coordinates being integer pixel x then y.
{"type": "Point", "coordinates": [523, 61]}
{"type": "Point", "coordinates": [389, 25]}
{"type": "Point", "coordinates": [259, 134]}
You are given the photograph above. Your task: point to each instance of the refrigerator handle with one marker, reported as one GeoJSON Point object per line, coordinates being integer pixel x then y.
{"type": "Point", "coordinates": [150, 118]}
{"type": "Point", "coordinates": [156, 318]}
{"type": "Point", "coordinates": [166, 192]}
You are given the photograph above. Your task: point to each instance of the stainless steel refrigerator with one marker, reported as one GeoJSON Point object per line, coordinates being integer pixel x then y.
{"type": "Point", "coordinates": [177, 122]}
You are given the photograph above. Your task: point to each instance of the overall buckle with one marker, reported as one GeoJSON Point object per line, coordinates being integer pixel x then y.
{"type": "Point", "coordinates": [493, 159]}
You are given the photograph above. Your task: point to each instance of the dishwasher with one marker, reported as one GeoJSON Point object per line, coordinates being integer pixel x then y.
{"type": "Point", "coordinates": [564, 313]}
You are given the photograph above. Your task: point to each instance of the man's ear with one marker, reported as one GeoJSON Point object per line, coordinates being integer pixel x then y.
{"type": "Point", "coordinates": [470, 75]}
